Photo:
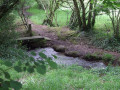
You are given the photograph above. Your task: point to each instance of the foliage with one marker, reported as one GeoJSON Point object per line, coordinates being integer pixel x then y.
{"type": "Point", "coordinates": [7, 35]}
{"type": "Point", "coordinates": [39, 16]}
{"type": "Point", "coordinates": [75, 77]}
{"type": "Point", "coordinates": [50, 7]}
{"type": "Point", "coordinates": [112, 8]}
{"type": "Point", "coordinates": [86, 14]}
{"type": "Point", "coordinates": [108, 57]}
{"type": "Point", "coordinates": [6, 6]}
{"type": "Point", "coordinates": [105, 41]}
{"type": "Point", "coordinates": [13, 57]}
{"type": "Point", "coordinates": [30, 65]}
{"type": "Point", "coordinates": [111, 3]}
{"type": "Point", "coordinates": [92, 57]}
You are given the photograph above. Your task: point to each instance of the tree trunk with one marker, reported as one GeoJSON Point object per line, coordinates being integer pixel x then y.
{"type": "Point", "coordinates": [73, 23]}
{"type": "Point", "coordinates": [89, 24]}
{"type": "Point", "coordinates": [78, 13]}
{"type": "Point", "coordinates": [94, 13]}
{"type": "Point", "coordinates": [54, 5]}
{"type": "Point", "coordinates": [83, 14]}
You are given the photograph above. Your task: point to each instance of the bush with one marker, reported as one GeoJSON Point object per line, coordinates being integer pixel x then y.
{"type": "Point", "coordinates": [108, 57]}
{"type": "Point", "coordinates": [92, 57]}
{"type": "Point", "coordinates": [7, 35]}
{"type": "Point", "coordinates": [102, 40]}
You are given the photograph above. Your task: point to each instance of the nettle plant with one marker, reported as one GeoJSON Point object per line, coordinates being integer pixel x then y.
{"type": "Point", "coordinates": [29, 65]}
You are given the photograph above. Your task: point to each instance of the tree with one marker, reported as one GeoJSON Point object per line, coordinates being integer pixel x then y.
{"type": "Point", "coordinates": [50, 7]}
{"type": "Point", "coordinates": [112, 9]}
{"type": "Point", "coordinates": [78, 13]}
{"type": "Point", "coordinates": [6, 6]}
{"type": "Point", "coordinates": [23, 64]}
{"type": "Point", "coordinates": [86, 13]}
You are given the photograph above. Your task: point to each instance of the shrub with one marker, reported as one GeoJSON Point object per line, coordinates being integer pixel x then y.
{"type": "Point", "coordinates": [92, 57]}
{"type": "Point", "coordinates": [7, 35]}
{"type": "Point", "coordinates": [108, 57]}
{"type": "Point", "coordinates": [101, 40]}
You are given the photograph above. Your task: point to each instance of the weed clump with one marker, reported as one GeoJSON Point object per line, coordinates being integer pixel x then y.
{"type": "Point", "coordinates": [108, 57]}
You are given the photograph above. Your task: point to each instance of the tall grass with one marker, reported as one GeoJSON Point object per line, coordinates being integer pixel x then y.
{"type": "Point", "coordinates": [75, 78]}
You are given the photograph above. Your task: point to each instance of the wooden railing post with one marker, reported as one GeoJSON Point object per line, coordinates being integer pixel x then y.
{"type": "Point", "coordinates": [30, 30]}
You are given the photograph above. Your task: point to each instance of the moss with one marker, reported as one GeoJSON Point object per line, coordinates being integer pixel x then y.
{"type": "Point", "coordinates": [72, 53]}
{"type": "Point", "coordinates": [105, 57]}
{"type": "Point", "coordinates": [92, 57]}
{"type": "Point", "coordinates": [59, 48]}
{"type": "Point", "coordinates": [108, 57]}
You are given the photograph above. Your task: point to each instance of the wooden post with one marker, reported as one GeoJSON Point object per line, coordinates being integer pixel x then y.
{"type": "Point", "coordinates": [30, 30]}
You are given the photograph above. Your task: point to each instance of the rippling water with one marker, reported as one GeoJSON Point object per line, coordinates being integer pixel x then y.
{"type": "Point", "coordinates": [65, 60]}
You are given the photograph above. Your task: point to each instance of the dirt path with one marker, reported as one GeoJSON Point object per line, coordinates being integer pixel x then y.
{"type": "Point", "coordinates": [80, 47]}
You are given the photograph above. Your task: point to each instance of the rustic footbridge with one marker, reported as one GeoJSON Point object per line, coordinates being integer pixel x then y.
{"type": "Point", "coordinates": [34, 41]}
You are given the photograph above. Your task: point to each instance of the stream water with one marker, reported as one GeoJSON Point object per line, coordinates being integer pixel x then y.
{"type": "Point", "coordinates": [65, 60]}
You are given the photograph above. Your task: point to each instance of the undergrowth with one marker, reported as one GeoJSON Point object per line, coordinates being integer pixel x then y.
{"type": "Point", "coordinates": [76, 78]}
{"type": "Point", "coordinates": [107, 42]}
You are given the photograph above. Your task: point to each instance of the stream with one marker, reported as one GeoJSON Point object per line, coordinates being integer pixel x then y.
{"type": "Point", "coordinates": [65, 60]}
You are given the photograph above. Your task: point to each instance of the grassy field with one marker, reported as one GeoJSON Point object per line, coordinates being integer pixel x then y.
{"type": "Point", "coordinates": [39, 16]}
{"type": "Point", "coordinates": [72, 78]}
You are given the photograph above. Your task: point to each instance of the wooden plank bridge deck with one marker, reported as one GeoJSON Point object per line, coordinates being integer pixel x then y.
{"type": "Point", "coordinates": [33, 42]}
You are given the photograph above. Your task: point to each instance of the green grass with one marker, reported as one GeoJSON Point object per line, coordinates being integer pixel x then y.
{"type": "Point", "coordinates": [103, 24]}
{"type": "Point", "coordinates": [70, 78]}
{"type": "Point", "coordinates": [102, 33]}
{"type": "Point", "coordinates": [39, 15]}
{"type": "Point", "coordinates": [74, 78]}
{"type": "Point", "coordinates": [62, 17]}
{"type": "Point", "coordinates": [101, 20]}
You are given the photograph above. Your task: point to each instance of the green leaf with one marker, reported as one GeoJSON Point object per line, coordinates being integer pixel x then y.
{"type": "Point", "coordinates": [1, 61]}
{"type": "Point", "coordinates": [33, 53]}
{"type": "Point", "coordinates": [7, 75]}
{"type": "Point", "coordinates": [1, 80]}
{"type": "Point", "coordinates": [41, 62]}
{"type": "Point", "coordinates": [30, 69]}
{"type": "Point", "coordinates": [19, 63]}
{"type": "Point", "coordinates": [8, 63]}
{"type": "Point", "coordinates": [32, 59]}
{"type": "Point", "coordinates": [54, 56]}
{"type": "Point", "coordinates": [6, 85]}
{"type": "Point", "coordinates": [52, 63]}
{"type": "Point", "coordinates": [36, 63]}
{"type": "Point", "coordinates": [16, 85]}
{"type": "Point", "coordinates": [27, 64]}
{"type": "Point", "coordinates": [18, 69]}
{"type": "Point", "coordinates": [42, 55]}
{"type": "Point", "coordinates": [41, 69]}
{"type": "Point", "coordinates": [92, 1]}
{"type": "Point", "coordinates": [24, 68]}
